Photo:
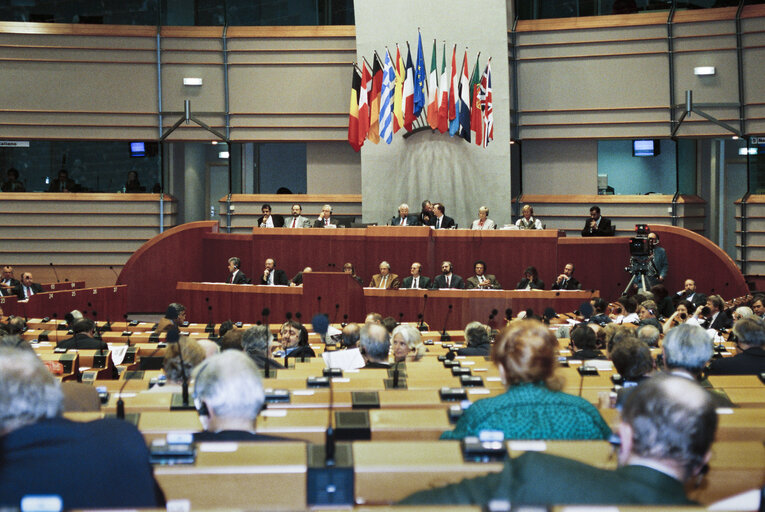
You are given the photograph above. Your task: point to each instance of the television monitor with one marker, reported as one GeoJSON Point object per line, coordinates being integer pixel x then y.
{"type": "Point", "coordinates": [645, 147]}
{"type": "Point", "coordinates": [137, 149]}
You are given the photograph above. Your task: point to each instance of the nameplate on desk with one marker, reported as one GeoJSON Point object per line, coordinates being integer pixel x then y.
{"type": "Point", "coordinates": [465, 363]}
{"type": "Point", "coordinates": [724, 410]}
{"type": "Point", "coordinates": [492, 379]}
{"type": "Point", "coordinates": [528, 446]}
{"type": "Point", "coordinates": [478, 391]}
{"type": "Point", "coordinates": [218, 447]}
{"type": "Point", "coordinates": [274, 413]}
{"type": "Point", "coordinates": [303, 392]}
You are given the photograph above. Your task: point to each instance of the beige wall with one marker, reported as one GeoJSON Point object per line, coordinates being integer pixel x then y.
{"type": "Point", "coordinates": [333, 168]}
{"type": "Point", "coordinates": [560, 167]}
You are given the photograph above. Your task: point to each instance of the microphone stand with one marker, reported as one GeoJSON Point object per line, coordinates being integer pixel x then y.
{"type": "Point", "coordinates": [421, 316]}
{"type": "Point", "coordinates": [444, 335]}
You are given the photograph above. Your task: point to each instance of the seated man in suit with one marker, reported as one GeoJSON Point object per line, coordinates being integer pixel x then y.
{"type": "Point", "coordinates": [297, 220]}
{"type": "Point", "coordinates": [667, 428]}
{"type": "Point", "coordinates": [325, 219]}
{"type": "Point", "coordinates": [481, 280]}
{"type": "Point", "coordinates": [63, 183]}
{"type": "Point", "coordinates": [9, 285]}
{"type": "Point", "coordinates": [690, 294]}
{"type": "Point", "coordinates": [236, 276]}
{"type": "Point", "coordinates": [298, 279]}
{"type": "Point", "coordinates": [273, 276]}
{"type": "Point", "coordinates": [348, 269]}
{"type": "Point", "coordinates": [416, 280]}
{"type": "Point", "coordinates": [375, 345]}
{"type": "Point", "coordinates": [46, 454]}
{"type": "Point", "coordinates": [567, 281]}
{"type": "Point", "coordinates": [750, 360]}
{"type": "Point", "coordinates": [597, 225]}
{"type": "Point", "coordinates": [425, 218]}
{"type": "Point", "coordinates": [27, 288]}
{"type": "Point", "coordinates": [713, 314]}
{"type": "Point", "coordinates": [758, 305]}
{"type": "Point", "coordinates": [447, 278]}
{"type": "Point", "coordinates": [269, 221]}
{"type": "Point", "coordinates": [440, 220]}
{"type": "Point", "coordinates": [228, 395]}
{"type": "Point", "coordinates": [385, 279]}
{"type": "Point", "coordinates": [530, 280]}
{"type": "Point", "coordinates": [175, 316]}
{"type": "Point", "coordinates": [84, 330]}
{"type": "Point", "coordinates": [404, 218]}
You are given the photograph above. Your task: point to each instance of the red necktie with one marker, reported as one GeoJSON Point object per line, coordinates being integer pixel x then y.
{"type": "Point", "coordinates": [294, 220]}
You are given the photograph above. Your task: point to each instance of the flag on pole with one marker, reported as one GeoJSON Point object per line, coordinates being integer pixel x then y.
{"type": "Point", "coordinates": [486, 102]}
{"type": "Point", "coordinates": [364, 103]}
{"type": "Point", "coordinates": [443, 97]}
{"type": "Point", "coordinates": [454, 100]}
{"type": "Point", "coordinates": [353, 117]}
{"type": "Point", "coordinates": [419, 79]}
{"type": "Point", "coordinates": [464, 98]}
{"type": "Point", "coordinates": [398, 95]}
{"type": "Point", "coordinates": [409, 116]}
{"type": "Point", "coordinates": [386, 99]}
{"type": "Point", "coordinates": [476, 114]}
{"type": "Point", "coordinates": [433, 91]}
{"type": "Point", "coordinates": [374, 101]}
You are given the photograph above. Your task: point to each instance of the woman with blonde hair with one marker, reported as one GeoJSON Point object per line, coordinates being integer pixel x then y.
{"type": "Point", "coordinates": [406, 343]}
{"type": "Point", "coordinates": [528, 221]}
{"type": "Point", "coordinates": [533, 407]}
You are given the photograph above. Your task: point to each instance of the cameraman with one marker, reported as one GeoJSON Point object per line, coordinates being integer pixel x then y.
{"type": "Point", "coordinates": [659, 259]}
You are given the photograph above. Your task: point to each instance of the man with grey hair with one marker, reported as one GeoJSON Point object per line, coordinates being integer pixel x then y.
{"type": "Point", "coordinates": [385, 279]}
{"type": "Point", "coordinates": [375, 345]}
{"type": "Point", "coordinates": [228, 395]}
{"type": "Point", "coordinates": [404, 218]}
{"type": "Point", "coordinates": [750, 360]}
{"type": "Point", "coordinates": [478, 340]}
{"type": "Point", "coordinates": [255, 342]}
{"type": "Point", "coordinates": [43, 453]}
{"type": "Point", "coordinates": [668, 426]}
{"type": "Point", "coordinates": [649, 334]}
{"type": "Point", "coordinates": [686, 350]}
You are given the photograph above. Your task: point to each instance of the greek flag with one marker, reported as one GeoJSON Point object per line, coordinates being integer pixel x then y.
{"type": "Point", "coordinates": [386, 101]}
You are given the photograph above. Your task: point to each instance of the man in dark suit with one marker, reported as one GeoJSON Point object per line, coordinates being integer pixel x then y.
{"type": "Point", "coordinates": [63, 183]}
{"type": "Point", "coordinates": [375, 345]}
{"type": "Point", "coordinates": [44, 453]}
{"type": "Point", "coordinates": [416, 280]}
{"type": "Point", "coordinates": [717, 318]}
{"type": "Point", "coordinates": [84, 330]}
{"type": "Point", "coordinates": [690, 294]}
{"type": "Point", "coordinates": [228, 394]}
{"type": "Point", "coordinates": [667, 429]}
{"type": "Point", "coordinates": [404, 218]}
{"type": "Point", "coordinates": [325, 219]}
{"type": "Point", "coordinates": [597, 225]}
{"type": "Point", "coordinates": [567, 281]}
{"type": "Point", "coordinates": [273, 275]}
{"type": "Point", "coordinates": [425, 218]}
{"type": "Point", "coordinates": [269, 221]}
{"type": "Point", "coordinates": [440, 220]}
{"type": "Point", "coordinates": [447, 279]}
{"type": "Point", "coordinates": [750, 336]}
{"type": "Point", "coordinates": [481, 280]}
{"type": "Point", "coordinates": [8, 284]}
{"type": "Point", "coordinates": [27, 288]}
{"type": "Point", "coordinates": [236, 276]}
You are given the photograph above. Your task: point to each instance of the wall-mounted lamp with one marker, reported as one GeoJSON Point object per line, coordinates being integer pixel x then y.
{"type": "Point", "coordinates": [704, 71]}
{"type": "Point", "coordinates": [223, 155]}
{"type": "Point", "coordinates": [195, 81]}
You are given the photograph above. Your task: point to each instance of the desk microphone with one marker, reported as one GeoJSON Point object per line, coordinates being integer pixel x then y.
{"type": "Point", "coordinates": [54, 271]}
{"type": "Point", "coordinates": [210, 328]}
{"type": "Point", "coordinates": [491, 317]}
{"type": "Point", "coordinates": [115, 273]}
{"type": "Point", "coordinates": [329, 436]}
{"type": "Point", "coordinates": [395, 375]}
{"type": "Point", "coordinates": [299, 315]}
{"type": "Point", "coordinates": [400, 317]}
{"type": "Point", "coordinates": [421, 315]}
{"type": "Point", "coordinates": [264, 315]}
{"type": "Point", "coordinates": [444, 335]}
{"type": "Point", "coordinates": [345, 320]}
{"type": "Point", "coordinates": [318, 300]}
{"type": "Point", "coordinates": [509, 314]}
{"type": "Point", "coordinates": [288, 315]}
{"type": "Point", "coordinates": [174, 336]}
{"type": "Point", "coordinates": [337, 312]}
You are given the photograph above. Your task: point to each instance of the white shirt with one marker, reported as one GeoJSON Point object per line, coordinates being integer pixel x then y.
{"type": "Point", "coordinates": [268, 223]}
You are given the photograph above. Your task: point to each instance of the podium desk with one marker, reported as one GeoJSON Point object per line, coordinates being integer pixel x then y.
{"type": "Point", "coordinates": [246, 476]}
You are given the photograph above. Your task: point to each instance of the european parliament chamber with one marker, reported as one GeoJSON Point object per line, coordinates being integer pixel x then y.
{"type": "Point", "coordinates": [219, 290]}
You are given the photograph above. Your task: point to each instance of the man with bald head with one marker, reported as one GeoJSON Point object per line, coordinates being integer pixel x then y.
{"type": "Point", "coordinates": [272, 275]}
{"type": "Point", "coordinates": [667, 428]}
{"type": "Point", "coordinates": [416, 280]}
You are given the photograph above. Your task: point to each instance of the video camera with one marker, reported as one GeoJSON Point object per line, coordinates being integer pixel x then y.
{"type": "Point", "coordinates": [640, 246]}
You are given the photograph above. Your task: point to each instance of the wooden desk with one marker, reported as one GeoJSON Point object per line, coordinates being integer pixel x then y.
{"type": "Point", "coordinates": [247, 476]}
{"type": "Point", "coordinates": [108, 302]}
